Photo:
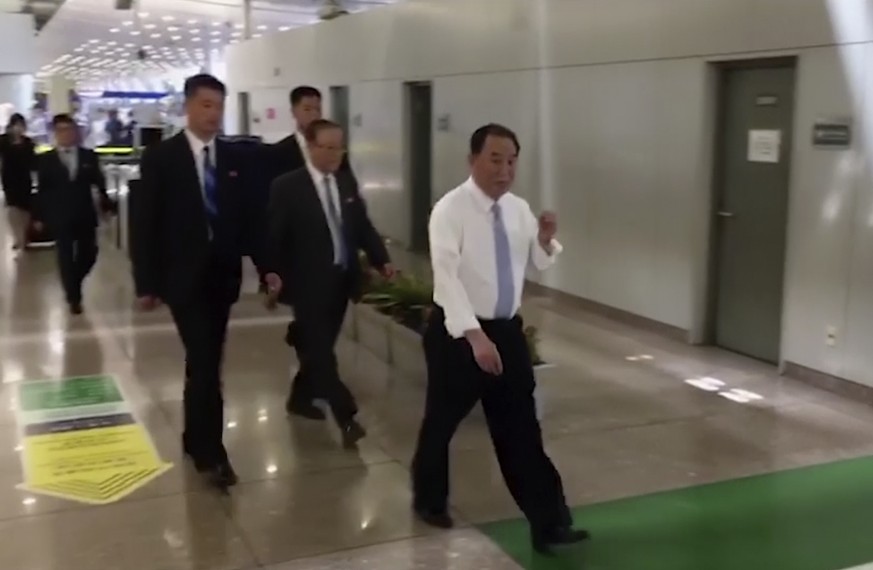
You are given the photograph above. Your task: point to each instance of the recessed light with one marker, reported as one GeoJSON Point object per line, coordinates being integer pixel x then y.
{"type": "Point", "coordinates": [192, 22]}
{"type": "Point", "coordinates": [175, 38]}
{"type": "Point", "coordinates": [135, 33]}
{"type": "Point", "coordinates": [195, 31]}
{"type": "Point", "coordinates": [155, 36]}
{"type": "Point", "coordinates": [173, 29]}
{"type": "Point", "coordinates": [236, 34]}
{"type": "Point", "coordinates": [262, 27]}
{"type": "Point", "coordinates": [216, 23]}
{"type": "Point", "coordinates": [167, 18]}
{"type": "Point", "coordinates": [195, 39]}
{"type": "Point", "coordinates": [114, 30]}
{"type": "Point", "coordinates": [127, 23]}
{"type": "Point", "coordinates": [93, 41]}
{"type": "Point", "coordinates": [257, 35]}
{"type": "Point", "coordinates": [284, 28]}
{"type": "Point", "coordinates": [216, 33]}
{"type": "Point", "coordinates": [143, 14]}
{"type": "Point", "coordinates": [239, 26]}
{"type": "Point", "coordinates": [216, 40]}
{"type": "Point", "coordinates": [149, 26]}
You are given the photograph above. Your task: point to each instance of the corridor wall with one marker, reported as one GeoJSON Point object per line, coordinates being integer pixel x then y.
{"type": "Point", "coordinates": [614, 104]}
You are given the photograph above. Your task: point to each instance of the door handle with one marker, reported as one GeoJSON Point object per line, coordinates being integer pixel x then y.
{"type": "Point", "coordinates": [725, 214]}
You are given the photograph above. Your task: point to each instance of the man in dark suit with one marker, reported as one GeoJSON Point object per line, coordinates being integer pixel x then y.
{"type": "Point", "coordinates": [192, 223]}
{"type": "Point", "coordinates": [317, 222]}
{"type": "Point", "coordinates": [288, 155]}
{"type": "Point", "coordinates": [67, 176]}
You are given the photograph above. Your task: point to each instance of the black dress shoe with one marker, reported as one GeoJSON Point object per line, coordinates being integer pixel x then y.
{"type": "Point", "coordinates": [219, 475]}
{"type": "Point", "coordinates": [543, 542]}
{"type": "Point", "coordinates": [438, 519]}
{"type": "Point", "coordinates": [306, 410]}
{"type": "Point", "coordinates": [75, 308]}
{"type": "Point", "coordinates": [352, 433]}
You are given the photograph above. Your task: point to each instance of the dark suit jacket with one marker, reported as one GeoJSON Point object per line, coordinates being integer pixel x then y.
{"type": "Point", "coordinates": [171, 250]}
{"type": "Point", "coordinates": [287, 156]}
{"type": "Point", "coordinates": [300, 242]}
{"type": "Point", "coordinates": [64, 205]}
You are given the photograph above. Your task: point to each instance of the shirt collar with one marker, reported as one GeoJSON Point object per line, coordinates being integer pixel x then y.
{"type": "Point", "coordinates": [198, 145]}
{"type": "Point", "coordinates": [480, 198]}
{"type": "Point", "coordinates": [316, 174]}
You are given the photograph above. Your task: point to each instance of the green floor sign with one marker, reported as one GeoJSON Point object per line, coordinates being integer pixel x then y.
{"type": "Point", "coordinates": [71, 393]}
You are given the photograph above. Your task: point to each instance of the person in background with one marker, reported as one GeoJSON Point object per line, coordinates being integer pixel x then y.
{"type": "Point", "coordinates": [317, 222]}
{"type": "Point", "coordinates": [194, 221]}
{"type": "Point", "coordinates": [482, 238]}
{"type": "Point", "coordinates": [66, 178]}
{"type": "Point", "coordinates": [18, 161]}
{"type": "Point", "coordinates": [288, 155]}
{"type": "Point", "coordinates": [114, 129]}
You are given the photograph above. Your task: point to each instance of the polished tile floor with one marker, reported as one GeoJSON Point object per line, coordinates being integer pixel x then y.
{"type": "Point", "coordinates": [621, 421]}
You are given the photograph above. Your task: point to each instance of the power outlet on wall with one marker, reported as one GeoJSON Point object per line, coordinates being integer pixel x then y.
{"type": "Point", "coordinates": [831, 335]}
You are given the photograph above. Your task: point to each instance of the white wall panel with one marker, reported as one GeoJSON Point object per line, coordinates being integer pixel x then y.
{"type": "Point", "coordinates": [613, 101]}
{"type": "Point", "coordinates": [18, 47]}
{"type": "Point", "coordinates": [377, 155]}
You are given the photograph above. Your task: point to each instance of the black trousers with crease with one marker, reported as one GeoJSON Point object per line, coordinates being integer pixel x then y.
{"type": "Point", "coordinates": [455, 384]}
{"type": "Point", "coordinates": [77, 254]}
{"type": "Point", "coordinates": [318, 319]}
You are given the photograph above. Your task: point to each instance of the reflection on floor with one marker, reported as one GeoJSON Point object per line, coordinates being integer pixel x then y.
{"type": "Point", "coordinates": [620, 421]}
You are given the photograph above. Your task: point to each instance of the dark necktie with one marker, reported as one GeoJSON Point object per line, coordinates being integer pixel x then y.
{"type": "Point", "coordinates": [336, 225]}
{"type": "Point", "coordinates": [210, 188]}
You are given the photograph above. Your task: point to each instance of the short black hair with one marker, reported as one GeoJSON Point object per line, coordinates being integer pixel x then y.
{"type": "Point", "coordinates": [300, 93]}
{"type": "Point", "coordinates": [203, 81]}
{"type": "Point", "coordinates": [480, 135]}
{"type": "Point", "coordinates": [63, 119]}
{"type": "Point", "coordinates": [17, 119]}
{"type": "Point", "coordinates": [317, 126]}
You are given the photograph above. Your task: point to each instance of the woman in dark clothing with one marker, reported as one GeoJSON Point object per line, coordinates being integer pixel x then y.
{"type": "Point", "coordinates": [18, 156]}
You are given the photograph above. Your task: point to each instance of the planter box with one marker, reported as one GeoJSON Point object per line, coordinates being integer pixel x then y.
{"type": "Point", "coordinates": [373, 331]}
{"type": "Point", "coordinates": [401, 347]}
{"type": "Point", "coordinates": [349, 329]}
{"type": "Point", "coordinates": [407, 353]}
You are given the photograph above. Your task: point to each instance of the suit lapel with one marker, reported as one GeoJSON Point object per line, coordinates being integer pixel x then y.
{"type": "Point", "coordinates": [189, 163]}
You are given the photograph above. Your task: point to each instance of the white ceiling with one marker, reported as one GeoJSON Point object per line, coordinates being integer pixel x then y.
{"type": "Point", "coordinates": [89, 40]}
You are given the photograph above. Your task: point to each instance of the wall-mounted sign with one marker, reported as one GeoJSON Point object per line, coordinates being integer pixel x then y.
{"type": "Point", "coordinates": [444, 123]}
{"type": "Point", "coordinates": [831, 133]}
{"type": "Point", "coordinates": [766, 100]}
{"type": "Point", "coordinates": [764, 146]}
{"type": "Point", "coordinates": [271, 114]}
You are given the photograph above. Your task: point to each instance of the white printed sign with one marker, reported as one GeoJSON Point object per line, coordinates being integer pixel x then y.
{"type": "Point", "coordinates": [764, 146]}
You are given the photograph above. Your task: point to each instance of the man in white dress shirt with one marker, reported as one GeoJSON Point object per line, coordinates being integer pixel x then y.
{"type": "Point", "coordinates": [482, 238]}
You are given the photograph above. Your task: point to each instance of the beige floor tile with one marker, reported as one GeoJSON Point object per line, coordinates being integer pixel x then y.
{"type": "Point", "coordinates": [310, 514]}
{"type": "Point", "coordinates": [457, 550]}
{"type": "Point", "coordinates": [189, 532]}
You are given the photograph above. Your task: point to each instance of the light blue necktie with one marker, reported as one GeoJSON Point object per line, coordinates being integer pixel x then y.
{"type": "Point", "coordinates": [210, 188]}
{"type": "Point", "coordinates": [505, 280]}
{"type": "Point", "coordinates": [336, 224]}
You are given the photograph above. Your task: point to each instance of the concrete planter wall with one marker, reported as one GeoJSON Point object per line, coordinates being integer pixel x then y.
{"type": "Point", "coordinates": [397, 345]}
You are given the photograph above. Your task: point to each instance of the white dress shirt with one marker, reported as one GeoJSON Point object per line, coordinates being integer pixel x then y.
{"type": "Point", "coordinates": [70, 159]}
{"type": "Point", "coordinates": [462, 249]}
{"type": "Point", "coordinates": [330, 192]}
{"type": "Point", "coordinates": [304, 146]}
{"type": "Point", "coordinates": [197, 147]}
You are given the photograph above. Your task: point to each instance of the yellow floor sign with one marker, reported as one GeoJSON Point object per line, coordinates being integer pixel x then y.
{"type": "Point", "coordinates": [80, 441]}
